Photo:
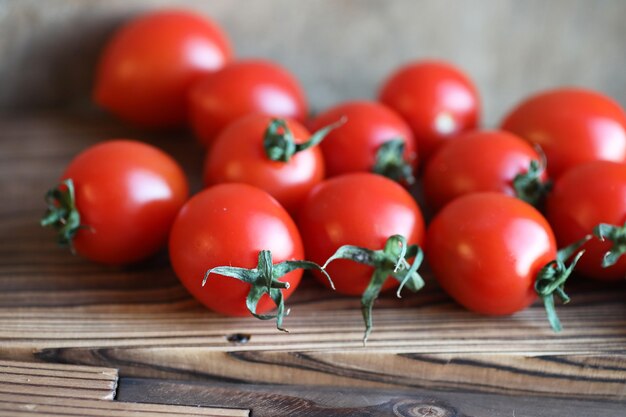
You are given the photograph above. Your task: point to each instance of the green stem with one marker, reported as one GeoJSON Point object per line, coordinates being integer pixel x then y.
{"type": "Point", "coordinates": [280, 144]}
{"type": "Point", "coordinates": [529, 186]}
{"type": "Point", "coordinates": [390, 162]}
{"type": "Point", "coordinates": [62, 214]}
{"type": "Point", "coordinates": [264, 279]}
{"type": "Point", "coordinates": [617, 236]}
{"type": "Point", "coordinates": [390, 261]}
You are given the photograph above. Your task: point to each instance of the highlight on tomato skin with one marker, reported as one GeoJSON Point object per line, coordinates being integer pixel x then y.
{"type": "Point", "coordinates": [228, 225]}
{"type": "Point", "coordinates": [435, 98]}
{"type": "Point", "coordinates": [572, 126]}
{"type": "Point", "coordinates": [238, 154]}
{"type": "Point", "coordinates": [486, 249]}
{"type": "Point", "coordinates": [240, 88]}
{"type": "Point", "coordinates": [584, 197]}
{"type": "Point", "coordinates": [125, 196]}
{"type": "Point", "coordinates": [354, 146]}
{"type": "Point", "coordinates": [149, 64]}
{"type": "Point", "coordinates": [484, 160]}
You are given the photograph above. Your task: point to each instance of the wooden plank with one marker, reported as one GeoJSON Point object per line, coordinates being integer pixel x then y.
{"type": "Point", "coordinates": [65, 381]}
{"type": "Point", "coordinates": [302, 401]}
{"type": "Point", "coordinates": [29, 405]}
{"type": "Point", "coordinates": [58, 308]}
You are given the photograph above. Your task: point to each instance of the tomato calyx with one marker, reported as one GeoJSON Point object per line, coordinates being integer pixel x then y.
{"type": "Point", "coordinates": [551, 279]}
{"type": "Point", "coordinates": [390, 162]}
{"type": "Point", "coordinates": [390, 261]}
{"type": "Point", "coordinates": [280, 144]}
{"type": "Point", "coordinates": [264, 279]}
{"type": "Point", "coordinates": [62, 214]}
{"type": "Point", "coordinates": [529, 186]}
{"type": "Point", "coordinates": [615, 234]}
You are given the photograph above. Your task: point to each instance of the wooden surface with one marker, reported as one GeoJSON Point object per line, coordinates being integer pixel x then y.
{"type": "Point", "coordinates": [29, 389]}
{"type": "Point", "coordinates": [57, 308]}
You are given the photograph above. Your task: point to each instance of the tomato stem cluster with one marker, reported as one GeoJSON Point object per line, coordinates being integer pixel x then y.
{"type": "Point", "coordinates": [390, 162]}
{"type": "Point", "coordinates": [264, 279]}
{"type": "Point", "coordinates": [529, 186]}
{"type": "Point", "coordinates": [62, 214]}
{"type": "Point", "coordinates": [392, 261]}
{"type": "Point", "coordinates": [616, 235]}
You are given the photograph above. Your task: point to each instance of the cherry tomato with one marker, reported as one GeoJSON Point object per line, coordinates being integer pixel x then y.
{"type": "Point", "coordinates": [572, 126]}
{"type": "Point", "coordinates": [583, 197]}
{"type": "Point", "coordinates": [486, 250]}
{"type": "Point", "coordinates": [240, 88]}
{"type": "Point", "coordinates": [126, 196]}
{"type": "Point", "coordinates": [148, 66]}
{"type": "Point", "coordinates": [481, 161]}
{"type": "Point", "coordinates": [355, 145]}
{"type": "Point", "coordinates": [436, 99]}
{"type": "Point", "coordinates": [228, 225]}
{"type": "Point", "coordinates": [239, 155]}
{"type": "Point", "coordinates": [359, 209]}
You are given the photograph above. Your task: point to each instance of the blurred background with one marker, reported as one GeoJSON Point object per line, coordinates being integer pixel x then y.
{"type": "Point", "coordinates": [339, 49]}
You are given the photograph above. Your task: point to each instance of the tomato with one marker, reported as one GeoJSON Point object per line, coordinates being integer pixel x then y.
{"type": "Point", "coordinates": [572, 126]}
{"type": "Point", "coordinates": [359, 209]}
{"type": "Point", "coordinates": [239, 155]}
{"type": "Point", "coordinates": [483, 161]}
{"type": "Point", "coordinates": [147, 67]}
{"type": "Point", "coordinates": [125, 197]}
{"type": "Point", "coordinates": [436, 99]}
{"type": "Point", "coordinates": [240, 88]}
{"type": "Point", "coordinates": [487, 249]}
{"type": "Point", "coordinates": [583, 197]}
{"type": "Point", "coordinates": [228, 225]}
{"type": "Point", "coordinates": [355, 146]}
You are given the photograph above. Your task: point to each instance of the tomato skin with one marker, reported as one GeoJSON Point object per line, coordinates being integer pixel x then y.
{"type": "Point", "coordinates": [127, 194]}
{"type": "Point", "coordinates": [435, 98]}
{"type": "Point", "coordinates": [240, 88]}
{"type": "Point", "coordinates": [228, 225]}
{"type": "Point", "coordinates": [359, 209]}
{"type": "Point", "coordinates": [572, 126]}
{"type": "Point", "coordinates": [149, 64]}
{"type": "Point", "coordinates": [352, 146]}
{"type": "Point", "coordinates": [476, 161]}
{"type": "Point", "coordinates": [583, 197]}
{"type": "Point", "coordinates": [238, 155]}
{"type": "Point", "coordinates": [485, 249]}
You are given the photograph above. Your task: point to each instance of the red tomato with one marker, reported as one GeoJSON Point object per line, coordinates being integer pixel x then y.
{"type": "Point", "coordinates": [148, 66]}
{"type": "Point", "coordinates": [583, 197]}
{"type": "Point", "coordinates": [486, 249]}
{"type": "Point", "coordinates": [572, 126]}
{"type": "Point", "coordinates": [354, 146]}
{"type": "Point", "coordinates": [228, 225]}
{"type": "Point", "coordinates": [435, 98]}
{"type": "Point", "coordinates": [127, 194]}
{"type": "Point", "coordinates": [238, 155]}
{"type": "Point", "coordinates": [479, 161]}
{"type": "Point", "coordinates": [360, 209]}
{"type": "Point", "coordinates": [243, 87]}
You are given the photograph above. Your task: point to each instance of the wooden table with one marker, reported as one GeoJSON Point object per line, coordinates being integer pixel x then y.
{"type": "Point", "coordinates": [426, 356]}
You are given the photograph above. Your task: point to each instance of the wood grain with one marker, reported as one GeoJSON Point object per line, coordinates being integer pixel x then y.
{"type": "Point", "coordinates": [55, 307]}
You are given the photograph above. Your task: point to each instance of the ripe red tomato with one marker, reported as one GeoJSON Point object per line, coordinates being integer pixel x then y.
{"type": "Point", "coordinates": [583, 197]}
{"type": "Point", "coordinates": [486, 249]}
{"type": "Point", "coordinates": [483, 161]}
{"type": "Point", "coordinates": [359, 209]}
{"type": "Point", "coordinates": [572, 126]}
{"type": "Point", "coordinates": [148, 66]}
{"type": "Point", "coordinates": [126, 195]}
{"type": "Point", "coordinates": [355, 146]}
{"type": "Point", "coordinates": [436, 99]}
{"type": "Point", "coordinates": [240, 88]}
{"type": "Point", "coordinates": [239, 155]}
{"type": "Point", "coordinates": [228, 225]}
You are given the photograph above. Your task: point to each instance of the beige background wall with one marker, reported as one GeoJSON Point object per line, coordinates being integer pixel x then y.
{"type": "Point", "coordinates": [339, 49]}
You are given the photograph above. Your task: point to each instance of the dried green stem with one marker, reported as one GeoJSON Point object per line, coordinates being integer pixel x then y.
{"type": "Point", "coordinates": [390, 162]}
{"type": "Point", "coordinates": [62, 214]}
{"type": "Point", "coordinates": [617, 236]}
